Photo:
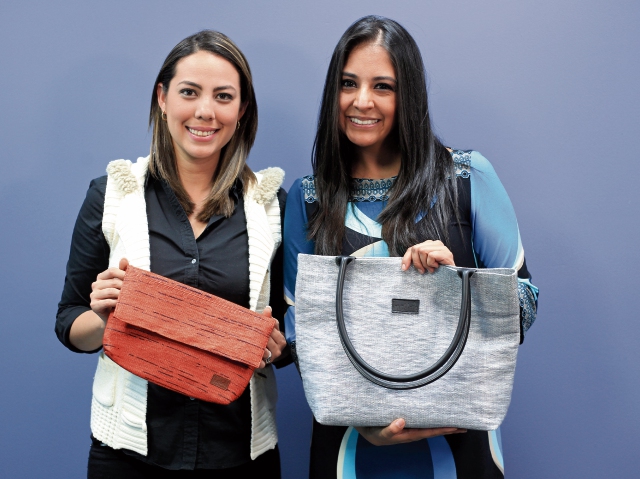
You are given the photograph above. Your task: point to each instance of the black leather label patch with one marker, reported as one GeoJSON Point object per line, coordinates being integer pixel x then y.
{"type": "Point", "coordinates": [405, 306]}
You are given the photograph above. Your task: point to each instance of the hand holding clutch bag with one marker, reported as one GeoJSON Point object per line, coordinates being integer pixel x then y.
{"type": "Point", "coordinates": [185, 339]}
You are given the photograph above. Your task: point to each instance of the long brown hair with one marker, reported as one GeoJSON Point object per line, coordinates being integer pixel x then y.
{"type": "Point", "coordinates": [233, 155]}
{"type": "Point", "coordinates": [425, 187]}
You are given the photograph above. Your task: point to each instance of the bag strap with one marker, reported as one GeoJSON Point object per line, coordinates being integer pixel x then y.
{"type": "Point", "coordinates": [411, 381]}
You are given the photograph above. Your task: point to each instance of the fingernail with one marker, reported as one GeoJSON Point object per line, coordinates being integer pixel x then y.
{"type": "Point", "coordinates": [403, 267]}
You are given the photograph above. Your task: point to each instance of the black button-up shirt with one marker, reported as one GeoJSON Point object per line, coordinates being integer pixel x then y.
{"type": "Point", "coordinates": [182, 433]}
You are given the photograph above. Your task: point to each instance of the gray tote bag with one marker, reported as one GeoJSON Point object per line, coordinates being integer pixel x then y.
{"type": "Point", "coordinates": [375, 343]}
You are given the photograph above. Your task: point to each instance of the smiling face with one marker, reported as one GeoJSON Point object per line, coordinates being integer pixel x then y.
{"type": "Point", "coordinates": [368, 98]}
{"type": "Point", "coordinates": [202, 106]}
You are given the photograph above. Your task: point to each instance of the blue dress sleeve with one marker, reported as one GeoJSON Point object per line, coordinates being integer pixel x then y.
{"type": "Point", "coordinates": [295, 242]}
{"type": "Point", "coordinates": [496, 237]}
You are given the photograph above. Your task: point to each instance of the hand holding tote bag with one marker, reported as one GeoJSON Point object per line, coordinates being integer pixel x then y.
{"type": "Point", "coordinates": [438, 350]}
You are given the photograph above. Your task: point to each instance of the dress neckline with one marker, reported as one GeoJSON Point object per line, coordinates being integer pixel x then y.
{"type": "Point", "coordinates": [366, 189]}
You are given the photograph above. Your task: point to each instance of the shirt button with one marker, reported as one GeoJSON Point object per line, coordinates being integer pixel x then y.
{"type": "Point", "coordinates": [191, 398]}
{"type": "Point", "coordinates": [193, 261]}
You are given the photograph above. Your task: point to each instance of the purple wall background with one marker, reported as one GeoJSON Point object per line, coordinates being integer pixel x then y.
{"type": "Point", "coordinates": [547, 90]}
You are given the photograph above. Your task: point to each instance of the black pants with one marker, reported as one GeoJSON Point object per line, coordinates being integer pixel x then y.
{"type": "Point", "coordinates": [108, 463]}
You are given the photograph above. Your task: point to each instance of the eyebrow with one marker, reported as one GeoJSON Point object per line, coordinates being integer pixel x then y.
{"type": "Point", "coordinates": [353, 75]}
{"type": "Point", "coordinates": [218, 88]}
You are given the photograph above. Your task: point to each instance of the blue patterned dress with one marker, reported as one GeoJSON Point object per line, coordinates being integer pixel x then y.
{"type": "Point", "coordinates": [486, 236]}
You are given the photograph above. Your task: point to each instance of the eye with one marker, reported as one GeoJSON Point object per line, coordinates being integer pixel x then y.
{"type": "Point", "coordinates": [187, 92]}
{"type": "Point", "coordinates": [385, 86]}
{"type": "Point", "coordinates": [347, 83]}
{"type": "Point", "coordinates": [224, 96]}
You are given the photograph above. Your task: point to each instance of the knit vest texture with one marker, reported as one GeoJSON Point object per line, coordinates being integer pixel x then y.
{"type": "Point", "coordinates": [119, 403]}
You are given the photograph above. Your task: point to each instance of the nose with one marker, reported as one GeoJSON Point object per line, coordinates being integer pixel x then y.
{"type": "Point", "coordinates": [363, 99]}
{"type": "Point", "coordinates": [205, 109]}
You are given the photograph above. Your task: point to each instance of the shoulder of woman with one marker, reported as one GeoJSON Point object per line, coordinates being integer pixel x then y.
{"type": "Point", "coordinates": [468, 161]}
{"type": "Point", "coordinates": [304, 188]}
{"type": "Point", "coordinates": [96, 190]}
{"type": "Point", "coordinates": [98, 185]}
{"type": "Point", "coordinates": [93, 205]}
{"type": "Point", "coordinates": [479, 162]}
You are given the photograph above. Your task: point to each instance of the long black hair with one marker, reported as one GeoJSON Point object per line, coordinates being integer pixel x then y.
{"type": "Point", "coordinates": [425, 186]}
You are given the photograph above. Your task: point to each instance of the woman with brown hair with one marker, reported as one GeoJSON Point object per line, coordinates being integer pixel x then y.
{"type": "Point", "coordinates": [194, 212]}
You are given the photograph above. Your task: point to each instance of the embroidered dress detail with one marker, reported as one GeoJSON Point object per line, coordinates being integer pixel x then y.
{"type": "Point", "coordinates": [371, 190]}
{"type": "Point", "coordinates": [362, 189]}
{"type": "Point", "coordinates": [308, 185]}
{"type": "Point", "coordinates": [527, 304]}
{"type": "Point", "coordinates": [462, 162]}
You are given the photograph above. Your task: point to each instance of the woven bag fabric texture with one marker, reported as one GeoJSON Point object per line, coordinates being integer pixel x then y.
{"type": "Point", "coordinates": [474, 394]}
{"type": "Point", "coordinates": [185, 339]}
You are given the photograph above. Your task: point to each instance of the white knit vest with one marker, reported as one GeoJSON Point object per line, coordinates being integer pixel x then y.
{"type": "Point", "coordinates": [119, 404]}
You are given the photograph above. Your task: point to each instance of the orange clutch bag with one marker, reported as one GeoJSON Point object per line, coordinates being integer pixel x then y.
{"type": "Point", "coordinates": [184, 339]}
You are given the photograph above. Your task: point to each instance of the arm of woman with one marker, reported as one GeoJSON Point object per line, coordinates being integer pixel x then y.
{"type": "Point", "coordinates": [88, 329]}
{"type": "Point", "coordinates": [496, 236]}
{"type": "Point", "coordinates": [295, 242]}
{"type": "Point", "coordinates": [88, 257]}
{"type": "Point", "coordinates": [395, 433]}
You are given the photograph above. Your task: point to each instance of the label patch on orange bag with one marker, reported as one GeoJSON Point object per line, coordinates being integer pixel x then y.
{"type": "Point", "coordinates": [220, 381]}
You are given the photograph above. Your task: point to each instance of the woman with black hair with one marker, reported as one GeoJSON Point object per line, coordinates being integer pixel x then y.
{"type": "Point", "coordinates": [384, 185]}
{"type": "Point", "coordinates": [192, 211]}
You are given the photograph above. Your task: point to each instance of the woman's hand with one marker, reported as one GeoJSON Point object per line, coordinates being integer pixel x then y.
{"type": "Point", "coordinates": [88, 328]}
{"type": "Point", "coordinates": [395, 433]}
{"type": "Point", "coordinates": [276, 342]}
{"type": "Point", "coordinates": [427, 256]}
{"type": "Point", "coordinates": [106, 289]}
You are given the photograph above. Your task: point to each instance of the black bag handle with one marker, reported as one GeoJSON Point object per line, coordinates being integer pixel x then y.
{"type": "Point", "coordinates": [433, 372]}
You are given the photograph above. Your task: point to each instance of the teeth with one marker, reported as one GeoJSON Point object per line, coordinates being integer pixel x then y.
{"type": "Point", "coordinates": [363, 122]}
{"type": "Point", "coordinates": [201, 133]}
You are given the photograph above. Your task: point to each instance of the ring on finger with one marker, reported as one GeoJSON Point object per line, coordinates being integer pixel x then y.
{"type": "Point", "coordinates": [268, 360]}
